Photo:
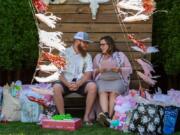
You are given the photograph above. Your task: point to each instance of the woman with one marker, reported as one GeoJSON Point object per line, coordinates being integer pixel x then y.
{"type": "Point", "coordinates": [112, 70]}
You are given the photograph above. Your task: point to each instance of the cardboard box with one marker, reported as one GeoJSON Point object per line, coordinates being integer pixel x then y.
{"type": "Point", "coordinates": [69, 125]}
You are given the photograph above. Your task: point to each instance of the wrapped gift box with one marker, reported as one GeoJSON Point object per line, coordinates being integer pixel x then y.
{"type": "Point", "coordinates": [70, 125]}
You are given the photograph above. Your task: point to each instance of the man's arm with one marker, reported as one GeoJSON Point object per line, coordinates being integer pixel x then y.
{"type": "Point", "coordinates": [64, 81]}
{"type": "Point", "coordinates": [88, 69]}
{"type": "Point", "coordinates": [86, 76]}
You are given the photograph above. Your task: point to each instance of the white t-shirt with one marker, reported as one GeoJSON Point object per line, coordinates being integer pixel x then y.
{"type": "Point", "coordinates": [76, 64]}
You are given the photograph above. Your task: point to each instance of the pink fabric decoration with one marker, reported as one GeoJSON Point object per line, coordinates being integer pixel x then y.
{"type": "Point", "coordinates": [146, 66]}
{"type": "Point", "coordinates": [146, 78]}
{"type": "Point", "coordinates": [175, 95]}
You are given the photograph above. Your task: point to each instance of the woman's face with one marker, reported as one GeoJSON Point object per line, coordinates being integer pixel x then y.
{"type": "Point", "coordinates": [104, 46]}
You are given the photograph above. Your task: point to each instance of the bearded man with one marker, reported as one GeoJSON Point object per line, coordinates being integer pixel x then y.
{"type": "Point", "coordinates": [77, 75]}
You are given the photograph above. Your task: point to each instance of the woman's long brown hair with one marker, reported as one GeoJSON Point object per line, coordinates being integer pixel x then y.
{"type": "Point", "coordinates": [110, 42]}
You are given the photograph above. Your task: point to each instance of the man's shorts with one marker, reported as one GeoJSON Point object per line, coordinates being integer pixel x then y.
{"type": "Point", "coordinates": [80, 91]}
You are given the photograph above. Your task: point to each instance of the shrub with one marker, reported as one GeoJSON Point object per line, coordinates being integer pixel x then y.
{"type": "Point", "coordinates": [18, 35]}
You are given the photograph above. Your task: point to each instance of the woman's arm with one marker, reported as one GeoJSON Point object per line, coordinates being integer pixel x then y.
{"type": "Point", "coordinates": [126, 69]}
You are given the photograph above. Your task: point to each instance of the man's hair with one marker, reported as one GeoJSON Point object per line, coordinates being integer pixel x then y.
{"type": "Point", "coordinates": [110, 42]}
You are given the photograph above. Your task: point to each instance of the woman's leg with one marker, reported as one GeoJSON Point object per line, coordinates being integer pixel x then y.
{"type": "Point", "coordinates": [112, 97]}
{"type": "Point", "coordinates": [104, 103]}
{"type": "Point", "coordinates": [103, 100]}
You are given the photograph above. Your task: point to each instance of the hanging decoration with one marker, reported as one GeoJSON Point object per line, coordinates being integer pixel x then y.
{"type": "Point", "coordinates": [140, 9]}
{"type": "Point", "coordinates": [146, 78]}
{"type": "Point", "coordinates": [132, 11]}
{"type": "Point", "coordinates": [52, 78]}
{"type": "Point", "coordinates": [49, 20]}
{"type": "Point", "coordinates": [48, 41]}
{"type": "Point", "coordinates": [146, 66]}
{"type": "Point", "coordinates": [51, 40]}
{"type": "Point", "coordinates": [57, 60]}
{"type": "Point", "coordinates": [141, 47]}
{"type": "Point", "coordinates": [40, 6]}
{"type": "Point", "coordinates": [48, 68]}
{"type": "Point", "coordinates": [94, 5]}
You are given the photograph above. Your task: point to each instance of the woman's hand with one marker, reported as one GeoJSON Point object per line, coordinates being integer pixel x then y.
{"type": "Point", "coordinates": [116, 69]}
{"type": "Point", "coordinates": [102, 70]}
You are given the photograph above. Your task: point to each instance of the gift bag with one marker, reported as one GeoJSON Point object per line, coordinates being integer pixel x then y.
{"type": "Point", "coordinates": [30, 110]}
{"type": "Point", "coordinates": [170, 118]}
{"type": "Point", "coordinates": [11, 105]}
{"type": "Point", "coordinates": [147, 119]}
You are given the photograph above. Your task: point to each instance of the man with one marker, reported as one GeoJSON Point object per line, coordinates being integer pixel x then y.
{"type": "Point", "coordinates": [77, 75]}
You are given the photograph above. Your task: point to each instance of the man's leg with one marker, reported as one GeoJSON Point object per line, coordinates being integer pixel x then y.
{"type": "Point", "coordinates": [91, 91]}
{"type": "Point", "coordinates": [58, 97]}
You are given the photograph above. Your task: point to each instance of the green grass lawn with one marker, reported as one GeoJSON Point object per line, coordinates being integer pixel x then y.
{"type": "Point", "coordinates": [18, 128]}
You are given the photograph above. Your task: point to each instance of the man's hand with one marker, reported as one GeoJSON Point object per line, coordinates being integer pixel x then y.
{"type": "Point", "coordinates": [74, 86]}
{"type": "Point", "coordinates": [68, 84]}
{"type": "Point", "coordinates": [116, 69]}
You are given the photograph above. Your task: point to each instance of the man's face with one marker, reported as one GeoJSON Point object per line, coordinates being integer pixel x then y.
{"type": "Point", "coordinates": [82, 47]}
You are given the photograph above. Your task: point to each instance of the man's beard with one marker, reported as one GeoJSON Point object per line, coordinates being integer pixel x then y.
{"type": "Point", "coordinates": [82, 51]}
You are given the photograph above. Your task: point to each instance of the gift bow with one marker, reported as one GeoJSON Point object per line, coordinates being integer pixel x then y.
{"type": "Point", "coordinates": [62, 117]}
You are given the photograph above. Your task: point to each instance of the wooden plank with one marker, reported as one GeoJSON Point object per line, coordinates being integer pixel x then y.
{"type": "Point", "coordinates": [134, 84]}
{"type": "Point", "coordinates": [118, 37]}
{"type": "Point", "coordinates": [134, 76]}
{"type": "Point", "coordinates": [80, 8]}
{"type": "Point", "coordinates": [87, 18]}
{"type": "Point", "coordinates": [144, 28]}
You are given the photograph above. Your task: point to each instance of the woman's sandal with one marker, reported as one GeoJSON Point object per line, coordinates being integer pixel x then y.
{"type": "Point", "coordinates": [103, 120]}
